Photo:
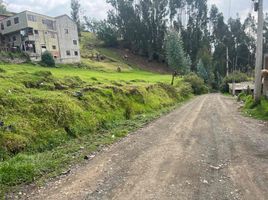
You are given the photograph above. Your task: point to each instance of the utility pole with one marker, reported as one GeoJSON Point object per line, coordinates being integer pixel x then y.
{"type": "Point", "coordinates": [227, 61]}
{"type": "Point", "coordinates": [259, 52]}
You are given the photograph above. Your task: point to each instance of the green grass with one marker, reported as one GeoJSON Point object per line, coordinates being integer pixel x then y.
{"type": "Point", "coordinates": [50, 113]}
{"type": "Point", "coordinates": [258, 111]}
{"type": "Point", "coordinates": [53, 117]}
{"type": "Point", "coordinates": [137, 76]}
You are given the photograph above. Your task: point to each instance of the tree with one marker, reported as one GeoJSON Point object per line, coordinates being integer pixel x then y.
{"type": "Point", "coordinates": [107, 33]}
{"type": "Point", "coordinates": [141, 25]}
{"type": "Point", "coordinates": [47, 59]}
{"type": "Point", "coordinates": [3, 9]}
{"type": "Point", "coordinates": [75, 14]}
{"type": "Point", "coordinates": [104, 31]}
{"type": "Point", "coordinates": [176, 57]}
{"type": "Point", "coordinates": [202, 72]}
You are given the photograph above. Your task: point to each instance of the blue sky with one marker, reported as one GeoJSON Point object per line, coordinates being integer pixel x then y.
{"type": "Point", "coordinates": [99, 8]}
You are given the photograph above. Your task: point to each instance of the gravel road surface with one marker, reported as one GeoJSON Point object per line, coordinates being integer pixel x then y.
{"type": "Point", "coordinates": [203, 150]}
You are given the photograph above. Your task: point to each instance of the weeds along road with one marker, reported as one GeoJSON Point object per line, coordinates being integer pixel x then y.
{"type": "Point", "coordinates": [203, 150]}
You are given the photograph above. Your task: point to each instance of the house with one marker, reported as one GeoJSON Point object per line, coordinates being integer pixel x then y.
{"type": "Point", "coordinates": [34, 34]}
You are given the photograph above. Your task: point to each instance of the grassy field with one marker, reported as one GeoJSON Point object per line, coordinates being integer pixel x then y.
{"type": "Point", "coordinates": [51, 118]}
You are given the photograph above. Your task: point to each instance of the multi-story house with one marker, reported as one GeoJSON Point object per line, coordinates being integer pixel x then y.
{"type": "Point", "coordinates": [35, 33]}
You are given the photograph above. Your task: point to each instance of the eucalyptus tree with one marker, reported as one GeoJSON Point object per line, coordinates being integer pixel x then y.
{"type": "Point", "coordinates": [3, 9]}
{"type": "Point", "coordinates": [75, 14]}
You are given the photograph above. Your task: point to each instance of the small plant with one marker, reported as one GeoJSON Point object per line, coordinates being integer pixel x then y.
{"type": "Point", "coordinates": [2, 70]}
{"type": "Point", "coordinates": [128, 112]}
{"type": "Point", "coordinates": [47, 59]}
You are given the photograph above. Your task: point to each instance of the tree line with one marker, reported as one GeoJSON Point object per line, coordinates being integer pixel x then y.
{"type": "Point", "coordinates": [144, 26]}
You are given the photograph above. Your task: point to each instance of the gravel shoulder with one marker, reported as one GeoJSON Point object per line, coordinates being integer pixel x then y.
{"type": "Point", "coordinates": [203, 150]}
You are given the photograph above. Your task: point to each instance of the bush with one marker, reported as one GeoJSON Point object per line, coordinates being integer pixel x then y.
{"type": "Point", "coordinates": [2, 70]}
{"type": "Point", "coordinates": [185, 90]}
{"type": "Point", "coordinates": [47, 59]}
{"type": "Point", "coordinates": [238, 77]}
{"type": "Point", "coordinates": [197, 84]}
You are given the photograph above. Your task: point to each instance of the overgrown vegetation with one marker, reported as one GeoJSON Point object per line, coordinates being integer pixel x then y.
{"type": "Point", "coordinates": [46, 116]}
{"type": "Point", "coordinates": [236, 76]}
{"type": "Point", "coordinates": [259, 111]}
{"type": "Point", "coordinates": [13, 57]}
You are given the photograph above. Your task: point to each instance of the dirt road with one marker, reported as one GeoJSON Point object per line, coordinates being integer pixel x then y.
{"type": "Point", "coordinates": [203, 150]}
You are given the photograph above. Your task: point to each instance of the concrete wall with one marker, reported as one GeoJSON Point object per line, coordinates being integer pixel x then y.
{"type": "Point", "coordinates": [67, 34]}
{"type": "Point", "coordinates": [14, 27]}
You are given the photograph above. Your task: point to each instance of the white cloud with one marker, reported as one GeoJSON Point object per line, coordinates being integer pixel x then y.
{"type": "Point", "coordinates": [98, 8]}
{"type": "Point", "coordinates": [92, 8]}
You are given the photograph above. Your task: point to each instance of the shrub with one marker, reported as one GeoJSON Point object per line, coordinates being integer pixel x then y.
{"type": "Point", "coordinates": [185, 90]}
{"type": "Point", "coordinates": [13, 143]}
{"type": "Point", "coordinates": [2, 70]}
{"type": "Point", "coordinates": [47, 59]}
{"type": "Point", "coordinates": [197, 84]}
{"type": "Point", "coordinates": [238, 77]}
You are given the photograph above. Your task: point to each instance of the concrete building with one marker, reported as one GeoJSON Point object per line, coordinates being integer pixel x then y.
{"type": "Point", "coordinates": [237, 88]}
{"type": "Point", "coordinates": [35, 33]}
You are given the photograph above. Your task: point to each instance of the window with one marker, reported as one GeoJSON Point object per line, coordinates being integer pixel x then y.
{"type": "Point", "coordinates": [31, 18]}
{"type": "Point", "coordinates": [48, 23]}
{"type": "Point", "coordinates": [30, 31]}
{"type": "Point", "coordinates": [75, 42]}
{"type": "Point", "coordinates": [2, 26]}
{"type": "Point", "coordinates": [66, 31]}
{"type": "Point", "coordinates": [54, 47]}
{"type": "Point", "coordinates": [53, 35]}
{"type": "Point", "coordinates": [76, 53]}
{"type": "Point", "coordinates": [14, 38]}
{"type": "Point", "coordinates": [36, 32]}
{"type": "Point", "coordinates": [8, 23]}
{"type": "Point", "coordinates": [68, 53]}
{"type": "Point", "coordinates": [16, 20]}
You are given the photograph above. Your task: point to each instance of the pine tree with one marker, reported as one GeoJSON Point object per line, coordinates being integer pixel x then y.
{"type": "Point", "coordinates": [175, 54]}
{"type": "Point", "coordinates": [201, 71]}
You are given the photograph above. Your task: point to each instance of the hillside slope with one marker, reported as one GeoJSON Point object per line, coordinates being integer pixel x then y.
{"type": "Point", "coordinates": [116, 57]}
{"type": "Point", "coordinates": [51, 118]}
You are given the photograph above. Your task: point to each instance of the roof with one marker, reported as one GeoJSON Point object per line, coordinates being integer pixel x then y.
{"type": "Point", "coordinates": [242, 85]}
{"type": "Point", "coordinates": [25, 11]}
{"type": "Point", "coordinates": [64, 16]}
{"type": "Point", "coordinates": [4, 16]}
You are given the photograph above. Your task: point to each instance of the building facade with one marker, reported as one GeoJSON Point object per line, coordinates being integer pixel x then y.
{"type": "Point", "coordinates": [35, 33]}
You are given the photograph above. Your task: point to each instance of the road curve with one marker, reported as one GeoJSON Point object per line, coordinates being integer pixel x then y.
{"type": "Point", "coordinates": [203, 150]}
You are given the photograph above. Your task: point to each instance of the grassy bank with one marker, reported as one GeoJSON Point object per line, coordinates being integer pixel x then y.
{"type": "Point", "coordinates": [52, 117]}
{"type": "Point", "coordinates": [258, 111]}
